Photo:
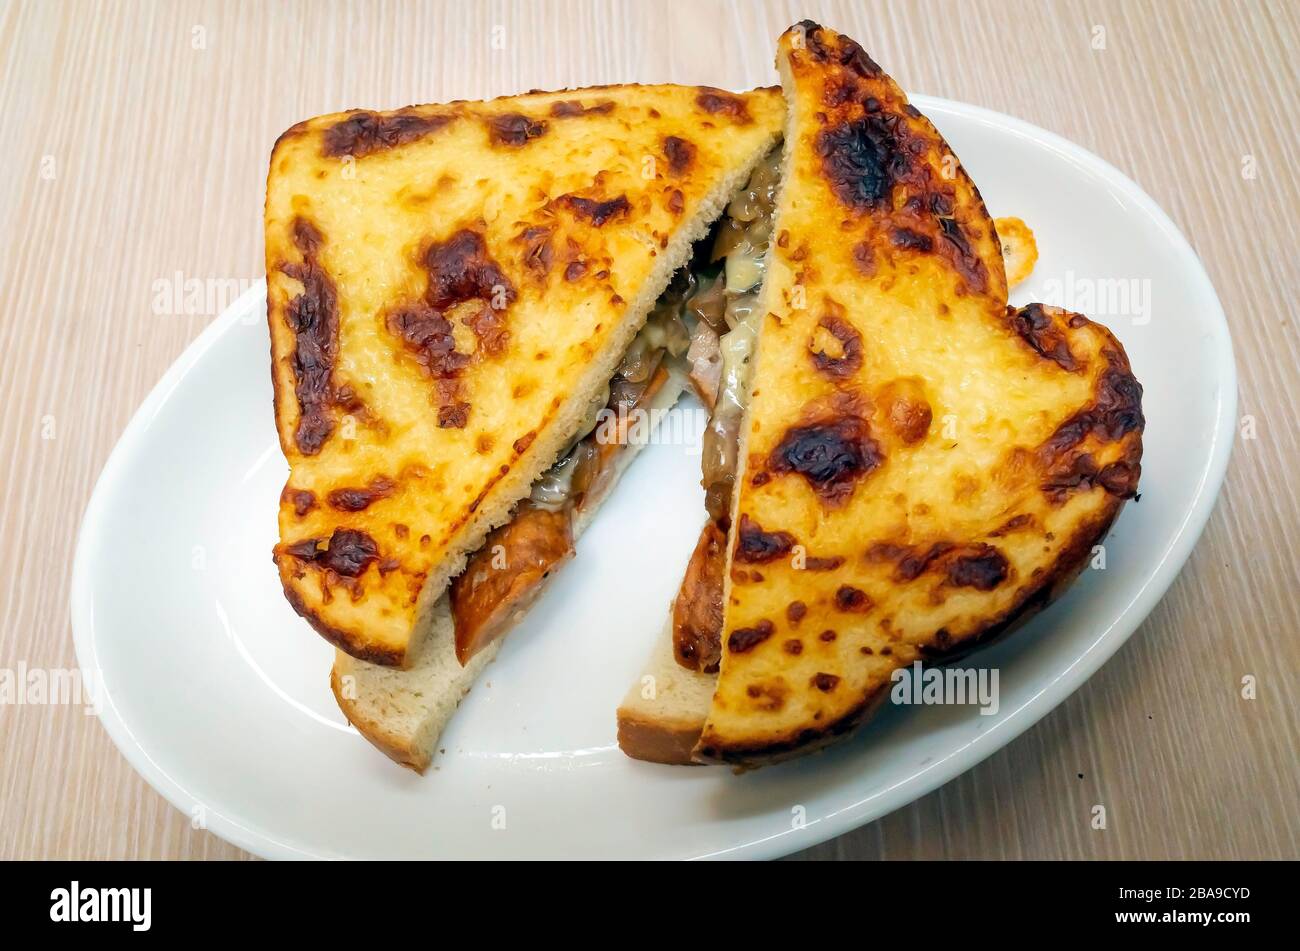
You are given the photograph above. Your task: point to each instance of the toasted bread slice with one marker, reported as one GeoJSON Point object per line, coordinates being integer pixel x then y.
{"type": "Point", "coordinates": [449, 288]}
{"type": "Point", "coordinates": [920, 466]}
{"type": "Point", "coordinates": [403, 712]}
{"type": "Point", "coordinates": [661, 717]}
{"type": "Point", "coordinates": [663, 714]}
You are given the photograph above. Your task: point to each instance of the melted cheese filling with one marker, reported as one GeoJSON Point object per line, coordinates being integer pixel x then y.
{"type": "Point", "coordinates": [727, 305]}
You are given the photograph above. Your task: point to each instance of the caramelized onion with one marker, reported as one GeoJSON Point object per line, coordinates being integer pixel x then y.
{"type": "Point", "coordinates": [709, 303]}
{"type": "Point", "coordinates": [729, 237]}
{"type": "Point", "coordinates": [705, 359]}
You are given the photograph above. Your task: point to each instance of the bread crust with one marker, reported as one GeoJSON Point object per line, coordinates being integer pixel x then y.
{"type": "Point", "coordinates": [652, 740]}
{"type": "Point", "coordinates": [395, 746]}
{"type": "Point", "coordinates": [663, 712]}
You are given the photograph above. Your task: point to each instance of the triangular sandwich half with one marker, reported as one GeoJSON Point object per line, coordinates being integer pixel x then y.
{"type": "Point", "coordinates": [919, 467]}
{"type": "Point", "coordinates": [454, 292]}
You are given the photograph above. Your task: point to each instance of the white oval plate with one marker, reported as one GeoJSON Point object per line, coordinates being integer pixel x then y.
{"type": "Point", "coordinates": [217, 692]}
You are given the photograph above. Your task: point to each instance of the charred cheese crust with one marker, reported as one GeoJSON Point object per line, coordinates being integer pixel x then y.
{"type": "Point", "coordinates": [921, 467]}
{"type": "Point", "coordinates": [448, 286]}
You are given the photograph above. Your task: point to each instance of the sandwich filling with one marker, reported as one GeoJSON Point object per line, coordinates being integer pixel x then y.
{"type": "Point", "coordinates": [702, 331]}
{"type": "Point", "coordinates": [724, 320]}
{"type": "Point", "coordinates": [507, 572]}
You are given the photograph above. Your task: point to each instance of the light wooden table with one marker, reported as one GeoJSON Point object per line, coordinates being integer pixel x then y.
{"type": "Point", "coordinates": [135, 143]}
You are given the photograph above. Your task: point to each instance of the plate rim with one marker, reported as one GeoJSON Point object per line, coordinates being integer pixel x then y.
{"type": "Point", "coordinates": [858, 813]}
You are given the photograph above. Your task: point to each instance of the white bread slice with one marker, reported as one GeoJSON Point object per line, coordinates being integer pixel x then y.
{"type": "Point", "coordinates": [661, 717]}
{"type": "Point", "coordinates": [403, 712]}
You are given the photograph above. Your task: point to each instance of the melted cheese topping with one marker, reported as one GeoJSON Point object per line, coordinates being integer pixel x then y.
{"type": "Point", "coordinates": [568, 199]}
{"type": "Point", "coordinates": [919, 467]}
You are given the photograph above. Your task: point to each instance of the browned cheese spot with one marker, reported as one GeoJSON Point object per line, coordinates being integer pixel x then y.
{"type": "Point", "coordinates": [971, 565]}
{"type": "Point", "coordinates": [915, 563]}
{"type": "Point", "coordinates": [833, 455]}
{"type": "Point", "coordinates": [427, 334]}
{"type": "Point", "coordinates": [853, 600]}
{"type": "Point", "coordinates": [825, 682]}
{"type": "Point", "coordinates": [865, 258]}
{"type": "Point", "coordinates": [755, 546]}
{"type": "Point", "coordinates": [571, 107]}
{"type": "Point", "coordinates": [1034, 325]}
{"type": "Point", "coordinates": [536, 241]}
{"type": "Point", "coordinates": [356, 499]}
{"type": "Point", "coordinates": [303, 500]}
{"type": "Point", "coordinates": [680, 154]}
{"type": "Point", "coordinates": [813, 563]}
{"type": "Point", "coordinates": [513, 130]}
{"type": "Point", "coordinates": [718, 102]}
{"type": "Point", "coordinates": [313, 317]}
{"type": "Point", "coordinates": [489, 327]}
{"type": "Point", "coordinates": [844, 52]}
{"type": "Point", "coordinates": [911, 240]}
{"type": "Point", "coordinates": [348, 552]}
{"type": "Point", "coordinates": [744, 639]}
{"type": "Point", "coordinates": [1115, 412]}
{"type": "Point", "coordinates": [864, 158]}
{"type": "Point", "coordinates": [594, 211]}
{"type": "Point", "coordinates": [907, 411]}
{"type": "Point", "coordinates": [769, 695]}
{"type": "Point", "coordinates": [461, 269]}
{"type": "Point", "coordinates": [364, 133]}
{"type": "Point", "coordinates": [453, 415]}
{"type": "Point", "coordinates": [983, 569]}
{"type": "Point", "coordinates": [836, 345]}
{"type": "Point", "coordinates": [875, 163]}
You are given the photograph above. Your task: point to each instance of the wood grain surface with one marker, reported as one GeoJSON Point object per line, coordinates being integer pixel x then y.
{"type": "Point", "coordinates": [136, 137]}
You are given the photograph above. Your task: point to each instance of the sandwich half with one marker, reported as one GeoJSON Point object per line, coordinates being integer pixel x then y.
{"type": "Point", "coordinates": [455, 294]}
{"type": "Point", "coordinates": [918, 467]}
